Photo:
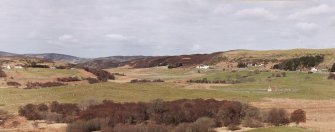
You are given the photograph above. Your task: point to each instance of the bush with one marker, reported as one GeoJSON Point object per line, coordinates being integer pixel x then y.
{"type": "Point", "coordinates": [230, 114]}
{"type": "Point", "coordinates": [278, 117]}
{"type": "Point", "coordinates": [140, 128]}
{"type": "Point", "coordinates": [15, 84]}
{"type": "Point", "coordinates": [31, 85]}
{"type": "Point", "coordinates": [102, 75]}
{"type": "Point", "coordinates": [203, 124]}
{"type": "Point", "coordinates": [242, 65]}
{"type": "Point", "coordinates": [85, 126]}
{"type": "Point", "coordinates": [30, 111]}
{"type": "Point", "coordinates": [2, 73]}
{"type": "Point", "coordinates": [92, 80]}
{"type": "Point", "coordinates": [298, 116]}
{"type": "Point", "coordinates": [331, 76]}
{"type": "Point", "coordinates": [252, 117]}
{"type": "Point", "coordinates": [333, 68]}
{"type": "Point", "coordinates": [4, 116]}
{"type": "Point", "coordinates": [68, 79]}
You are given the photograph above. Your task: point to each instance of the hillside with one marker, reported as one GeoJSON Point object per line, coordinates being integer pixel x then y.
{"type": "Point", "coordinates": [57, 57]}
{"type": "Point", "coordinates": [108, 62]}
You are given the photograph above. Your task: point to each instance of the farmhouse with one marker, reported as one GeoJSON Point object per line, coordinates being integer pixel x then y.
{"type": "Point", "coordinates": [203, 67]}
{"type": "Point", "coordinates": [6, 67]}
{"type": "Point", "coordinates": [18, 67]}
{"type": "Point", "coordinates": [314, 70]}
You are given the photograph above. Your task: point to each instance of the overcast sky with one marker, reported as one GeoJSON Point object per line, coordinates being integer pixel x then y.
{"type": "Point", "coordinates": [92, 28]}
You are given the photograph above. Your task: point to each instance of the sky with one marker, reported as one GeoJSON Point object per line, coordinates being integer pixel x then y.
{"type": "Point", "coordinates": [96, 28]}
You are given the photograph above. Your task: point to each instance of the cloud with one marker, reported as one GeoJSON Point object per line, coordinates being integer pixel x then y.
{"type": "Point", "coordinates": [196, 47]}
{"type": "Point", "coordinates": [116, 37]}
{"type": "Point", "coordinates": [258, 13]}
{"type": "Point", "coordinates": [67, 38]}
{"type": "Point", "coordinates": [314, 11]}
{"type": "Point", "coordinates": [306, 26]}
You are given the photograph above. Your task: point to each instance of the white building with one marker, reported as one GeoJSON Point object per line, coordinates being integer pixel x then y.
{"type": "Point", "coordinates": [203, 67]}
{"type": "Point", "coordinates": [314, 70]}
{"type": "Point", "coordinates": [6, 67]}
{"type": "Point", "coordinates": [18, 67]}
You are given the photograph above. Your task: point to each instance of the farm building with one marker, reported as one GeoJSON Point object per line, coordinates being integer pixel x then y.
{"type": "Point", "coordinates": [203, 67]}
{"type": "Point", "coordinates": [314, 70]}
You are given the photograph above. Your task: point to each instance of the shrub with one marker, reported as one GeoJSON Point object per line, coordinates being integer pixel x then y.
{"type": "Point", "coordinates": [298, 116]}
{"type": "Point", "coordinates": [4, 116]}
{"type": "Point", "coordinates": [242, 65]}
{"type": "Point", "coordinates": [85, 126]}
{"type": "Point", "coordinates": [15, 84]}
{"type": "Point", "coordinates": [203, 124]}
{"type": "Point", "coordinates": [101, 74]}
{"type": "Point", "coordinates": [31, 85]}
{"type": "Point", "coordinates": [333, 68]}
{"type": "Point", "coordinates": [278, 117]}
{"type": "Point", "coordinates": [42, 107]}
{"type": "Point", "coordinates": [331, 76]}
{"type": "Point", "coordinates": [92, 80]}
{"type": "Point", "coordinates": [64, 108]}
{"type": "Point", "coordinates": [141, 128]}
{"type": "Point", "coordinates": [68, 79]}
{"type": "Point", "coordinates": [230, 114]}
{"type": "Point", "coordinates": [30, 111]}
{"type": "Point", "coordinates": [2, 73]}
{"type": "Point", "coordinates": [252, 117]}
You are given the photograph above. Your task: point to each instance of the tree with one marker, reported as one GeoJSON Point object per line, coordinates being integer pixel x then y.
{"type": "Point", "coordinates": [298, 116]}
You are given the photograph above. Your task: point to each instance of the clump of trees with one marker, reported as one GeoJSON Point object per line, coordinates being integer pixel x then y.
{"type": "Point", "coordinates": [302, 62]}
{"type": "Point", "coordinates": [171, 66]}
{"type": "Point", "coordinates": [145, 80]}
{"type": "Point", "coordinates": [55, 112]}
{"type": "Point", "coordinates": [239, 79]}
{"type": "Point", "coordinates": [68, 79]}
{"type": "Point", "coordinates": [196, 115]}
{"type": "Point", "coordinates": [31, 85]}
{"type": "Point", "coordinates": [102, 75]}
{"type": "Point", "coordinates": [2, 73]}
{"type": "Point", "coordinates": [34, 64]}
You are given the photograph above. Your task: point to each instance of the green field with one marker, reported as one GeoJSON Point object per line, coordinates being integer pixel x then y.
{"type": "Point", "coordinates": [295, 85]}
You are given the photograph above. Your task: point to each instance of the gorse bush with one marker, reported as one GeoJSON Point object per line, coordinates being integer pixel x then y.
{"type": "Point", "coordinates": [333, 68]}
{"type": "Point", "coordinates": [68, 79]}
{"type": "Point", "coordinates": [31, 85]}
{"type": "Point", "coordinates": [15, 84]}
{"type": "Point", "coordinates": [298, 116]}
{"type": "Point", "coordinates": [302, 62]}
{"type": "Point", "coordinates": [102, 75]}
{"type": "Point", "coordinates": [278, 117]}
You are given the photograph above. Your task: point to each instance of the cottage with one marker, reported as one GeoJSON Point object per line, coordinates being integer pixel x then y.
{"type": "Point", "coordinates": [203, 67]}
{"type": "Point", "coordinates": [6, 67]}
{"type": "Point", "coordinates": [314, 70]}
{"type": "Point", "coordinates": [18, 67]}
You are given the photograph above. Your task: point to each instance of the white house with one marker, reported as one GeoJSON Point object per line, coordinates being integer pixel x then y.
{"type": "Point", "coordinates": [203, 67]}
{"type": "Point", "coordinates": [18, 67]}
{"type": "Point", "coordinates": [314, 70]}
{"type": "Point", "coordinates": [6, 67]}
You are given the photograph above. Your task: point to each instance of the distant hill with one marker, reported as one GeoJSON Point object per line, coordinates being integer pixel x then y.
{"type": "Point", "coordinates": [108, 62]}
{"type": "Point", "coordinates": [220, 59]}
{"type": "Point", "coordinates": [6, 54]}
{"type": "Point", "coordinates": [58, 57]}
